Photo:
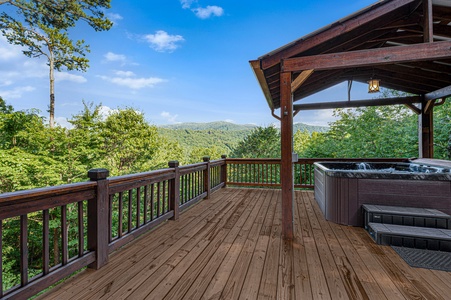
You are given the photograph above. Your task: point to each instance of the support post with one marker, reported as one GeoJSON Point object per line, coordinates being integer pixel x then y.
{"type": "Point", "coordinates": [286, 173]}
{"type": "Point", "coordinates": [224, 171]}
{"type": "Point", "coordinates": [426, 131]}
{"type": "Point", "coordinates": [174, 190]}
{"type": "Point", "coordinates": [207, 185]}
{"type": "Point", "coordinates": [98, 225]}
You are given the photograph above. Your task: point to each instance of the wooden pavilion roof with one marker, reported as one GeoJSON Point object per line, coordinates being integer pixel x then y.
{"type": "Point", "coordinates": [404, 43]}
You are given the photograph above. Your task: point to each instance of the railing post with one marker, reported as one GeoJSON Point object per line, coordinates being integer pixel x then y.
{"type": "Point", "coordinates": [224, 171]}
{"type": "Point", "coordinates": [207, 184]}
{"type": "Point", "coordinates": [174, 190]}
{"type": "Point", "coordinates": [98, 225]}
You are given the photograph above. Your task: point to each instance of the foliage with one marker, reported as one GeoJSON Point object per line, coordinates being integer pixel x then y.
{"type": "Point", "coordinates": [262, 142]}
{"type": "Point", "coordinates": [388, 131]}
{"type": "Point", "coordinates": [129, 142]}
{"type": "Point", "coordinates": [442, 131]}
{"type": "Point", "coordinates": [41, 28]}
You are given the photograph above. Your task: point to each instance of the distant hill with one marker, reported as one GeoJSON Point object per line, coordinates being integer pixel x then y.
{"type": "Point", "coordinates": [309, 128]}
{"type": "Point", "coordinates": [220, 125]}
{"type": "Point", "coordinates": [221, 134]}
{"type": "Point", "coordinates": [227, 126]}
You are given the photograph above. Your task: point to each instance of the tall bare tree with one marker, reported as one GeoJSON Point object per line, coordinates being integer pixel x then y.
{"type": "Point", "coordinates": [41, 27]}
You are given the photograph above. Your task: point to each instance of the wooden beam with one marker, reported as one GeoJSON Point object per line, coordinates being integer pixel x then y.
{"type": "Point", "coordinates": [429, 105]}
{"type": "Point", "coordinates": [341, 27]}
{"type": "Point", "coordinates": [428, 25]}
{"type": "Point", "coordinates": [426, 132]}
{"type": "Point", "coordinates": [286, 168]}
{"type": "Point", "coordinates": [370, 57]}
{"type": "Point", "coordinates": [300, 80]}
{"type": "Point", "coordinates": [441, 93]}
{"type": "Point", "coordinates": [255, 64]}
{"type": "Point", "coordinates": [413, 108]}
{"type": "Point", "coordinates": [357, 103]}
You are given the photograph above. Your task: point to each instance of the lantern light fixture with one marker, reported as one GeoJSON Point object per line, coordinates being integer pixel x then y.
{"type": "Point", "coordinates": [373, 85]}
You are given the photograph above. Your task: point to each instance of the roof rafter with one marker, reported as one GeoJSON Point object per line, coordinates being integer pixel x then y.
{"type": "Point", "coordinates": [370, 57]}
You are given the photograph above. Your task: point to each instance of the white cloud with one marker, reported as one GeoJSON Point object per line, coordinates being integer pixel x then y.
{"type": "Point", "coordinates": [169, 117]}
{"type": "Point", "coordinates": [187, 3]}
{"type": "Point", "coordinates": [129, 79]}
{"type": "Point", "coordinates": [124, 73]}
{"type": "Point", "coordinates": [161, 41]}
{"type": "Point", "coordinates": [202, 12]}
{"type": "Point", "coordinates": [114, 18]}
{"type": "Point", "coordinates": [136, 83]}
{"type": "Point", "coordinates": [6, 82]}
{"type": "Point", "coordinates": [16, 92]}
{"type": "Point", "coordinates": [61, 76]}
{"type": "Point", "coordinates": [207, 12]}
{"type": "Point", "coordinates": [110, 56]}
{"type": "Point", "coordinates": [105, 111]}
{"type": "Point", "coordinates": [8, 51]}
{"type": "Point", "coordinates": [229, 121]}
{"type": "Point", "coordinates": [62, 121]}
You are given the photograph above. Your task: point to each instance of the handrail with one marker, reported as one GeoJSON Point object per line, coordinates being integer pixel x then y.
{"type": "Point", "coordinates": [265, 172]}
{"type": "Point", "coordinates": [110, 212]}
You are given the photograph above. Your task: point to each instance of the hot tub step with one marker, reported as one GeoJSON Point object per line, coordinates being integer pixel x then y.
{"type": "Point", "coordinates": [411, 236]}
{"type": "Point", "coordinates": [409, 216]}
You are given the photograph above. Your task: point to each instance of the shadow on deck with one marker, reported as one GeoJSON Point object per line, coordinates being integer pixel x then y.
{"type": "Point", "coordinates": [230, 247]}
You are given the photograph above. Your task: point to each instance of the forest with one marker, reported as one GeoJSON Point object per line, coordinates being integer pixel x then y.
{"type": "Point", "coordinates": [35, 155]}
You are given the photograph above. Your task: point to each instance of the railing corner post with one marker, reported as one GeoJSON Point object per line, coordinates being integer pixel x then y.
{"type": "Point", "coordinates": [207, 183]}
{"type": "Point", "coordinates": [224, 171]}
{"type": "Point", "coordinates": [98, 225]}
{"type": "Point", "coordinates": [174, 190]}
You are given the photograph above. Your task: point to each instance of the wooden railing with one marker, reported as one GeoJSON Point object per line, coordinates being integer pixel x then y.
{"type": "Point", "coordinates": [60, 230]}
{"type": "Point", "coordinates": [266, 172]}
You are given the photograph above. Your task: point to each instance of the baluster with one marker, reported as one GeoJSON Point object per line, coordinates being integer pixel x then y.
{"type": "Point", "coordinates": [23, 250]}
{"type": "Point", "coordinates": [64, 234]}
{"type": "Point", "coordinates": [164, 199]}
{"type": "Point", "coordinates": [45, 242]}
{"type": "Point", "coordinates": [158, 199]}
{"type": "Point", "coordinates": [152, 201]}
{"type": "Point", "coordinates": [206, 186]}
{"type": "Point", "coordinates": [81, 230]}
{"type": "Point", "coordinates": [145, 203]}
{"type": "Point", "coordinates": [110, 218]}
{"type": "Point", "coordinates": [130, 198]}
{"type": "Point", "coordinates": [174, 190]}
{"type": "Point", "coordinates": [120, 208]}
{"type": "Point", "coordinates": [138, 206]}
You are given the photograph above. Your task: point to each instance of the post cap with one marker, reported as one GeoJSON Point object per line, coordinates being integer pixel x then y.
{"type": "Point", "coordinates": [98, 174]}
{"type": "Point", "coordinates": [223, 156]}
{"type": "Point", "coordinates": [206, 158]}
{"type": "Point", "coordinates": [173, 163]}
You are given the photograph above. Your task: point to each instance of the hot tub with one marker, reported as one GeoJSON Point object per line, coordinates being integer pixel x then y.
{"type": "Point", "coordinates": [342, 187]}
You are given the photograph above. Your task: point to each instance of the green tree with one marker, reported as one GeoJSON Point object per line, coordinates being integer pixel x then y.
{"type": "Point", "coordinates": [442, 130]}
{"type": "Point", "coordinates": [41, 27]}
{"type": "Point", "coordinates": [301, 141]}
{"type": "Point", "coordinates": [387, 131]}
{"type": "Point", "coordinates": [128, 141]}
{"type": "Point", "coordinates": [262, 142]}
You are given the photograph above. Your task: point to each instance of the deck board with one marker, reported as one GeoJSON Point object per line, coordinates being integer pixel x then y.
{"type": "Point", "coordinates": [230, 247]}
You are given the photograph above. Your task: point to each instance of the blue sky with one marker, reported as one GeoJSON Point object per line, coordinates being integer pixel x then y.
{"type": "Point", "coordinates": [177, 60]}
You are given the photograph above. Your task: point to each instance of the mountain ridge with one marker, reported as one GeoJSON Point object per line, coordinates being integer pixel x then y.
{"type": "Point", "coordinates": [228, 126]}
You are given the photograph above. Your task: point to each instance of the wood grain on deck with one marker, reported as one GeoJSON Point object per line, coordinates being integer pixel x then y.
{"type": "Point", "coordinates": [230, 247]}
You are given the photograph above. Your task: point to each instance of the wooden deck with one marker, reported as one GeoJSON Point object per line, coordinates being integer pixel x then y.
{"type": "Point", "coordinates": [230, 247]}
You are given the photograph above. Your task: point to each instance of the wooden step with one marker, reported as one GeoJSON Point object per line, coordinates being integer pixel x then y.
{"type": "Point", "coordinates": [411, 236]}
{"type": "Point", "coordinates": [409, 216]}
